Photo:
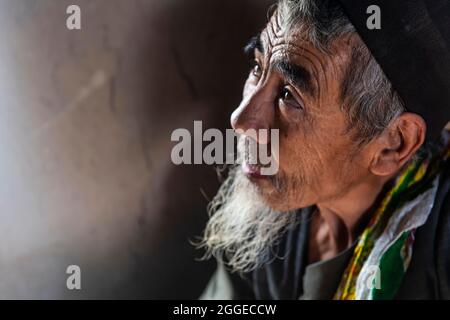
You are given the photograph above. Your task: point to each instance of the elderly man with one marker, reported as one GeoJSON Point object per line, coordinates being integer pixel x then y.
{"type": "Point", "coordinates": [359, 208]}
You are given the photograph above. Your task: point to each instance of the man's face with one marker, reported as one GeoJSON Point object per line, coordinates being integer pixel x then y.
{"type": "Point", "coordinates": [295, 88]}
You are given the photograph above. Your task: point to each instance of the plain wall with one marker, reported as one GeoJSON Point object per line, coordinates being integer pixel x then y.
{"type": "Point", "coordinates": [85, 124]}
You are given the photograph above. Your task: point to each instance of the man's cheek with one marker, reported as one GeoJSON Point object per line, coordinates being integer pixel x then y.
{"type": "Point", "coordinates": [291, 153]}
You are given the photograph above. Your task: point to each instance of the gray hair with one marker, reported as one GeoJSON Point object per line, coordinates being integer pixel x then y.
{"type": "Point", "coordinates": [367, 95]}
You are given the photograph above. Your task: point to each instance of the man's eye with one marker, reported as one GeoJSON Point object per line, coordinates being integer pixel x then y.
{"type": "Point", "coordinates": [256, 71]}
{"type": "Point", "coordinates": [286, 94]}
{"type": "Point", "coordinates": [287, 97]}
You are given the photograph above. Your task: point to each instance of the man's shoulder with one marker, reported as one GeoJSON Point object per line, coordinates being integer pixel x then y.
{"type": "Point", "coordinates": [430, 265]}
{"type": "Point", "coordinates": [442, 240]}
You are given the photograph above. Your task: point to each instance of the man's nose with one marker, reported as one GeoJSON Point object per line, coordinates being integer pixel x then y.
{"type": "Point", "coordinates": [256, 112]}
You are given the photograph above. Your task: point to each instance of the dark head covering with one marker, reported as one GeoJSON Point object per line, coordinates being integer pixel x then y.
{"type": "Point", "coordinates": [413, 49]}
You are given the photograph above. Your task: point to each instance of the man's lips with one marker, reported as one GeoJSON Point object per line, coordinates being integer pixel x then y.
{"type": "Point", "coordinates": [253, 171]}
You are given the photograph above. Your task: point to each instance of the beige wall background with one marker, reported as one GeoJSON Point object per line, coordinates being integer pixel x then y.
{"type": "Point", "coordinates": [85, 124]}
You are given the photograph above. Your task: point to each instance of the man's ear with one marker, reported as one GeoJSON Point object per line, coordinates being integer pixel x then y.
{"type": "Point", "coordinates": [397, 144]}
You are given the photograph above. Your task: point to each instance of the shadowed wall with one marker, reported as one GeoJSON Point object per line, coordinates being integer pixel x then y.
{"type": "Point", "coordinates": [85, 124]}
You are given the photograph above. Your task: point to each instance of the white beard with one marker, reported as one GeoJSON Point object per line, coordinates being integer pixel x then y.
{"type": "Point", "coordinates": [242, 228]}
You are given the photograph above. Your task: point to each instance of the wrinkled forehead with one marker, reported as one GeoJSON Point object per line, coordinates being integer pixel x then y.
{"type": "Point", "coordinates": [276, 36]}
{"type": "Point", "coordinates": [299, 30]}
{"type": "Point", "coordinates": [280, 46]}
{"type": "Point", "coordinates": [294, 45]}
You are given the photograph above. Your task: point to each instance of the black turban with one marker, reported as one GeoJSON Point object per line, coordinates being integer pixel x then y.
{"type": "Point", "coordinates": [413, 49]}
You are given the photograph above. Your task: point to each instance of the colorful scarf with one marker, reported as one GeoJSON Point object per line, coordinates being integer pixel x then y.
{"type": "Point", "coordinates": [384, 249]}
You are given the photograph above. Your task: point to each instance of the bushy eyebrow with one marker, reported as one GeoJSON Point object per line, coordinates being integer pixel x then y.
{"type": "Point", "coordinates": [297, 75]}
{"type": "Point", "coordinates": [255, 43]}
